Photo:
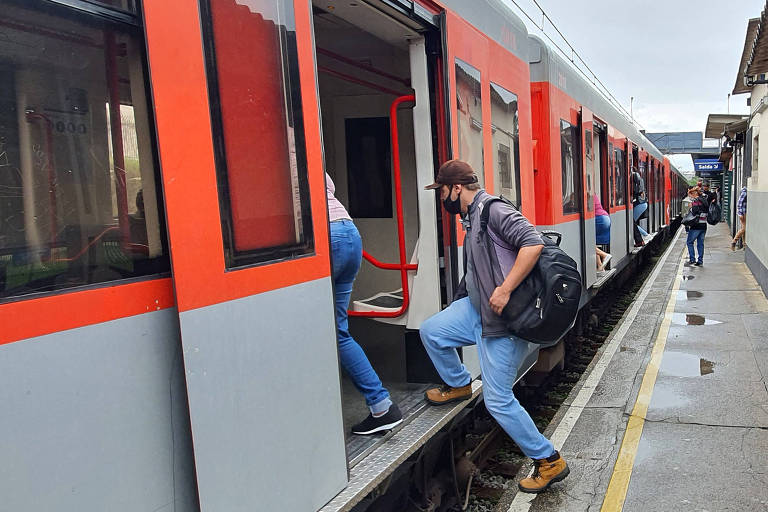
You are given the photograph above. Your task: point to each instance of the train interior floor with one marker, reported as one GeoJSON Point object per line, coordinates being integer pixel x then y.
{"type": "Point", "coordinates": [383, 344]}
{"type": "Point", "coordinates": [678, 391]}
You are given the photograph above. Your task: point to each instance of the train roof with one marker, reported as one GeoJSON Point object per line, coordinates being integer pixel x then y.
{"type": "Point", "coordinates": [496, 20]}
{"type": "Point", "coordinates": [548, 66]}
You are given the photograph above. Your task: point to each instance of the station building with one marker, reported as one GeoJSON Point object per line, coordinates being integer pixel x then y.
{"type": "Point", "coordinates": [744, 152]}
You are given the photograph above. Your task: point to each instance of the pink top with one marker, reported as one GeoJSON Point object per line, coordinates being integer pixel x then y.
{"type": "Point", "coordinates": [336, 210]}
{"type": "Point", "coordinates": [599, 210]}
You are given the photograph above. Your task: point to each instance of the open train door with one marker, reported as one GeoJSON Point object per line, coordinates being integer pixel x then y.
{"type": "Point", "coordinates": [247, 221]}
{"type": "Point", "coordinates": [588, 232]}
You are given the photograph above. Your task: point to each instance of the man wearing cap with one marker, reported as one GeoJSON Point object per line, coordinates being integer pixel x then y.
{"type": "Point", "coordinates": [473, 318]}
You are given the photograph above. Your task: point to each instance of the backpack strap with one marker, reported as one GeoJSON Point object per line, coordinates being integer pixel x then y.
{"type": "Point", "coordinates": [485, 210]}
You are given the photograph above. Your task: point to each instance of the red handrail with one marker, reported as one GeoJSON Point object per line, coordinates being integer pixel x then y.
{"type": "Point", "coordinates": [403, 266]}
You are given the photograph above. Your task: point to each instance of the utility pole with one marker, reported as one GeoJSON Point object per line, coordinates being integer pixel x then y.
{"type": "Point", "coordinates": [729, 103]}
{"type": "Point", "coordinates": [631, 114]}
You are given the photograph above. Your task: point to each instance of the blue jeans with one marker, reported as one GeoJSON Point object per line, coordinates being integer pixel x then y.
{"type": "Point", "coordinates": [696, 235]}
{"type": "Point", "coordinates": [459, 325]}
{"type": "Point", "coordinates": [346, 255]}
{"type": "Point", "coordinates": [637, 212]}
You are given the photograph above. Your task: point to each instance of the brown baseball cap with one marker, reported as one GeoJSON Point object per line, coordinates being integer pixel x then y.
{"type": "Point", "coordinates": [454, 172]}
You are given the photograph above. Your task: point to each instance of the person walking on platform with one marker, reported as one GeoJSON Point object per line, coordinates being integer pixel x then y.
{"type": "Point", "coordinates": [346, 256]}
{"type": "Point", "coordinates": [473, 318]}
{"type": "Point", "coordinates": [696, 233]}
{"type": "Point", "coordinates": [741, 211]}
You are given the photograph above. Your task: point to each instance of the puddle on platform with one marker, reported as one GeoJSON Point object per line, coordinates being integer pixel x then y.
{"type": "Point", "coordinates": [690, 319]}
{"type": "Point", "coordinates": [678, 364]}
{"type": "Point", "coordinates": [664, 398]}
{"type": "Point", "coordinates": [683, 295]}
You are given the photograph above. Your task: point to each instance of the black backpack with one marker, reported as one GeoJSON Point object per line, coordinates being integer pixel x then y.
{"type": "Point", "coordinates": [714, 213]}
{"type": "Point", "coordinates": [544, 306]}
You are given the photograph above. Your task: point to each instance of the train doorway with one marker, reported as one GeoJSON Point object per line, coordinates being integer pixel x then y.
{"type": "Point", "coordinates": [374, 91]}
{"type": "Point", "coordinates": [602, 190]}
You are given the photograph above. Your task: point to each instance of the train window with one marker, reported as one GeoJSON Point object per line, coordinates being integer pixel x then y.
{"type": "Point", "coordinates": [124, 5]}
{"type": "Point", "coordinates": [506, 143]}
{"type": "Point", "coordinates": [469, 109]}
{"type": "Point", "coordinates": [253, 85]}
{"type": "Point", "coordinates": [590, 161]}
{"type": "Point", "coordinates": [620, 172]}
{"type": "Point", "coordinates": [369, 165]}
{"type": "Point", "coordinates": [79, 195]}
{"type": "Point", "coordinates": [569, 166]}
{"type": "Point", "coordinates": [611, 175]}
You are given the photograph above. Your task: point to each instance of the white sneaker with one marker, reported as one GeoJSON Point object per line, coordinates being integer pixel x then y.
{"type": "Point", "coordinates": [605, 261]}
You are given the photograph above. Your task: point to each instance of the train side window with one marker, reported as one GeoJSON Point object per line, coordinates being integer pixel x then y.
{"type": "Point", "coordinates": [79, 196]}
{"type": "Point", "coordinates": [611, 175]}
{"type": "Point", "coordinates": [469, 110]}
{"type": "Point", "coordinates": [253, 85]}
{"type": "Point", "coordinates": [620, 169]}
{"type": "Point", "coordinates": [506, 143]}
{"type": "Point", "coordinates": [569, 166]}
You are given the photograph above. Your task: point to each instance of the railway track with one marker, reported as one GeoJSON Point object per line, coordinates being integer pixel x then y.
{"type": "Point", "coordinates": [498, 463]}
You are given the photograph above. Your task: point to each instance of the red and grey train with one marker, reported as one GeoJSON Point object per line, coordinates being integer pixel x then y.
{"type": "Point", "coordinates": [168, 338]}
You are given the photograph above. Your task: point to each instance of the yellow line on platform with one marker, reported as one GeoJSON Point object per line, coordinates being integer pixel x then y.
{"type": "Point", "coordinates": [622, 470]}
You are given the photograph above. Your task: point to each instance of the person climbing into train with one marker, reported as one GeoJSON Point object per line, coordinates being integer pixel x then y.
{"type": "Point", "coordinates": [698, 230]}
{"type": "Point", "coordinates": [346, 256]}
{"type": "Point", "coordinates": [639, 207]}
{"type": "Point", "coordinates": [473, 318]}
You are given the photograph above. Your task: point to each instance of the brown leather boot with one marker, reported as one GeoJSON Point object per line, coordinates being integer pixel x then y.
{"type": "Point", "coordinates": [446, 394]}
{"type": "Point", "coordinates": [546, 472]}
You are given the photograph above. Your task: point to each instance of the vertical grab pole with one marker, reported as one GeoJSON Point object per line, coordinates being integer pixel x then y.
{"type": "Point", "coordinates": [116, 129]}
{"type": "Point", "coordinates": [403, 266]}
{"type": "Point", "coordinates": [399, 193]}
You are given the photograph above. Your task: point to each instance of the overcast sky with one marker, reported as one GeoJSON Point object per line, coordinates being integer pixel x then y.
{"type": "Point", "coordinates": [678, 58]}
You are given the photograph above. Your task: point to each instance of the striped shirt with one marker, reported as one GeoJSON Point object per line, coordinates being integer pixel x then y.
{"type": "Point", "coordinates": [336, 210]}
{"type": "Point", "coordinates": [741, 205]}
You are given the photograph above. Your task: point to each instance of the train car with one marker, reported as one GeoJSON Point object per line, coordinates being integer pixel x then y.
{"type": "Point", "coordinates": [168, 337]}
{"type": "Point", "coordinates": [586, 149]}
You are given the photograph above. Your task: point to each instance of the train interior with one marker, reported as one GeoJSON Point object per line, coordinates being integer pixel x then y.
{"type": "Point", "coordinates": [364, 64]}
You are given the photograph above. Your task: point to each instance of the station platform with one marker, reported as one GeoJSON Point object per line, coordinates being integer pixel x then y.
{"type": "Point", "coordinates": [672, 413]}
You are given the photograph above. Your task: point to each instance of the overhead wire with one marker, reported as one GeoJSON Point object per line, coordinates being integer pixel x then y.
{"type": "Point", "coordinates": [593, 79]}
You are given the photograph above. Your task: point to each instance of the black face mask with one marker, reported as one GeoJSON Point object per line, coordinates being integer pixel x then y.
{"type": "Point", "coordinates": [452, 206]}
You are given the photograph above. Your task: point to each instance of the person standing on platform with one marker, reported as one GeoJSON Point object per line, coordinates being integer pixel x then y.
{"type": "Point", "coordinates": [346, 256]}
{"type": "Point", "coordinates": [741, 211]}
{"type": "Point", "coordinates": [473, 318]}
{"type": "Point", "coordinates": [697, 231]}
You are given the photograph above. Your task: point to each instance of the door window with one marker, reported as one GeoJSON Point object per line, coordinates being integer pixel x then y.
{"type": "Point", "coordinates": [506, 146]}
{"type": "Point", "coordinates": [253, 84]}
{"type": "Point", "coordinates": [569, 166]}
{"type": "Point", "coordinates": [469, 109]}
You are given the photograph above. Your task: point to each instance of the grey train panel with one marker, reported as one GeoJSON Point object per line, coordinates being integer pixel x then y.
{"type": "Point", "coordinates": [618, 236]}
{"type": "Point", "coordinates": [548, 66]}
{"type": "Point", "coordinates": [497, 21]}
{"type": "Point", "coordinates": [590, 237]}
{"type": "Point", "coordinates": [96, 418]}
{"type": "Point", "coordinates": [571, 241]}
{"type": "Point", "coordinates": [264, 399]}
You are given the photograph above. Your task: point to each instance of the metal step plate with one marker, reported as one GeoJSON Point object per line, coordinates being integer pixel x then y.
{"type": "Point", "coordinates": [379, 464]}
